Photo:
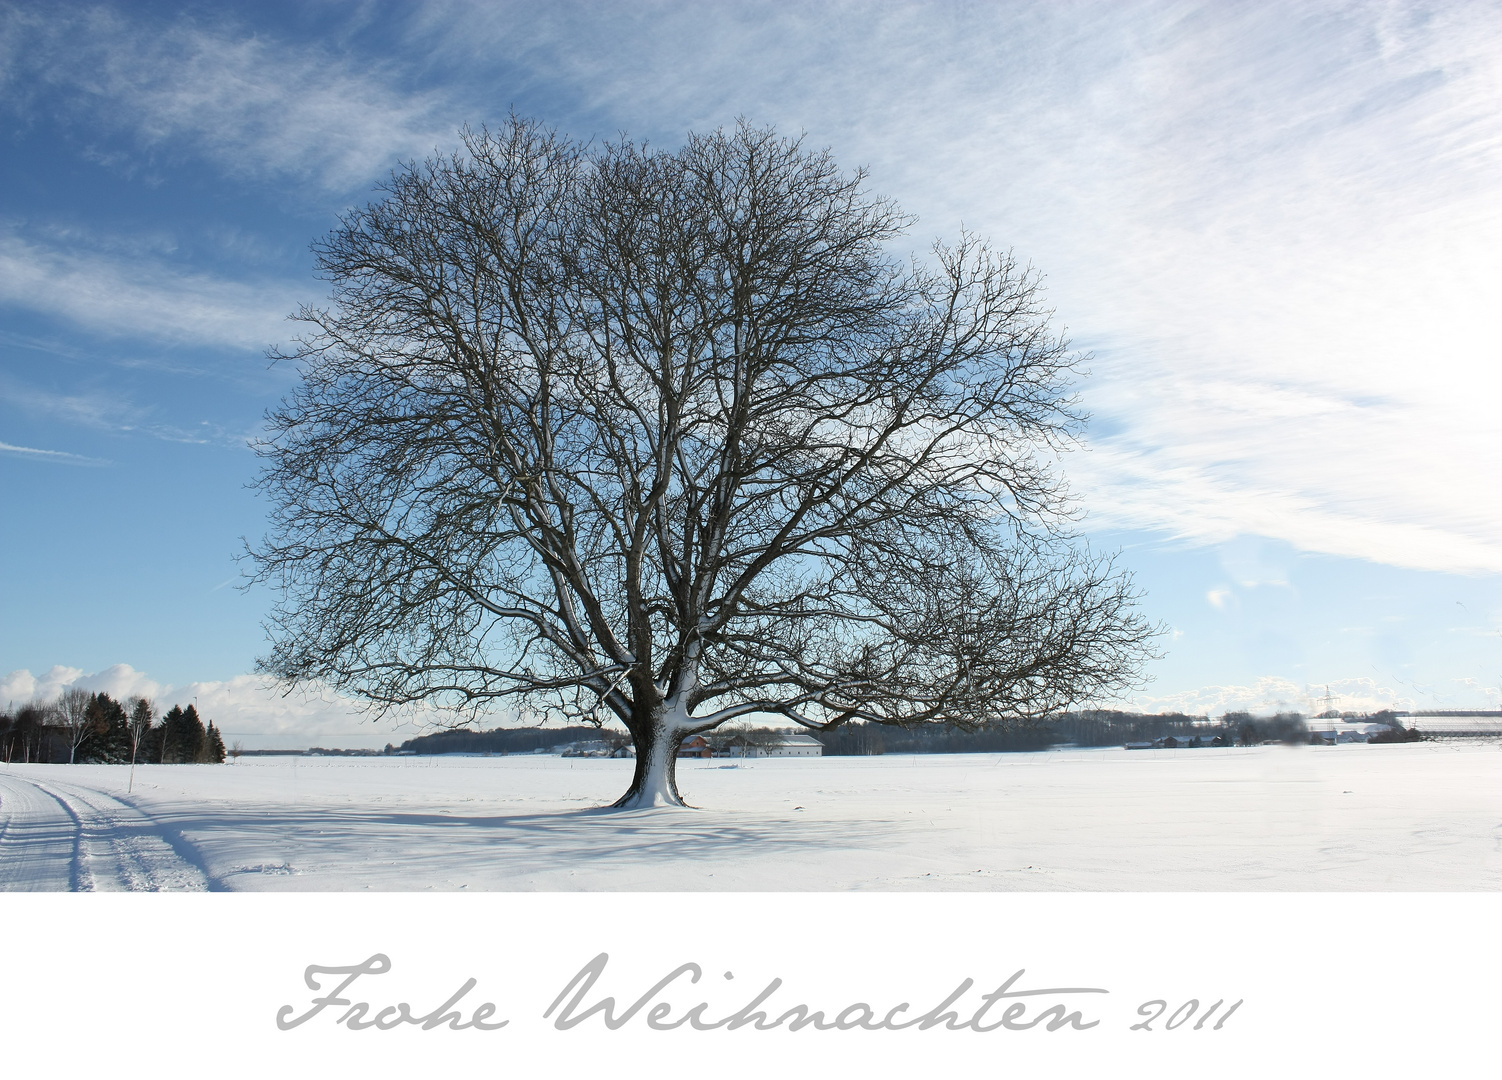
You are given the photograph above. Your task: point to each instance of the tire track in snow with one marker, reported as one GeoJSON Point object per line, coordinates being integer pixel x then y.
{"type": "Point", "coordinates": [115, 847]}
{"type": "Point", "coordinates": [39, 839]}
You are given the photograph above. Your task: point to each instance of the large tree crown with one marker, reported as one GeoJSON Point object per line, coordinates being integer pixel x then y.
{"type": "Point", "coordinates": [619, 430]}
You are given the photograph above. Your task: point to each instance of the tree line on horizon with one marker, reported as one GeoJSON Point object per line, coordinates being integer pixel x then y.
{"type": "Point", "coordinates": [80, 727]}
{"type": "Point", "coordinates": [1086, 728]}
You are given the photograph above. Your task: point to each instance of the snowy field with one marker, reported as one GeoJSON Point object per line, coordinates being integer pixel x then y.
{"type": "Point", "coordinates": [1422, 816]}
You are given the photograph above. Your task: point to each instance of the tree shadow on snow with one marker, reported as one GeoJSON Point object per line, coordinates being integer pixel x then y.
{"type": "Point", "coordinates": [286, 843]}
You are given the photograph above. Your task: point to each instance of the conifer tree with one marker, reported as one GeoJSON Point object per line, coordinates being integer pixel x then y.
{"type": "Point", "coordinates": [213, 746]}
{"type": "Point", "coordinates": [153, 744]}
{"type": "Point", "coordinates": [182, 736]}
{"type": "Point", "coordinates": [110, 738]}
{"type": "Point", "coordinates": [172, 725]}
{"type": "Point", "coordinates": [194, 735]}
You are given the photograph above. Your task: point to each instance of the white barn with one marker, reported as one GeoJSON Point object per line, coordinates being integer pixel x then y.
{"type": "Point", "coordinates": [793, 746]}
{"type": "Point", "coordinates": [773, 746]}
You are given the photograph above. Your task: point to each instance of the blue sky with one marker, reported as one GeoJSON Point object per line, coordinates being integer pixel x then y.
{"type": "Point", "coordinates": [1276, 228]}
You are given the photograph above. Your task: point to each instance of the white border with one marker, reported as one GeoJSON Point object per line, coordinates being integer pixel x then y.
{"type": "Point", "coordinates": [1384, 984]}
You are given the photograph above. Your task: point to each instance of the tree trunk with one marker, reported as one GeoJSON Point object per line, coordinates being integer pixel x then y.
{"type": "Point", "coordinates": [655, 781]}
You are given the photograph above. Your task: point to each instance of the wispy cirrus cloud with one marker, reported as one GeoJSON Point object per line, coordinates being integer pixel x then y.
{"type": "Point", "coordinates": [1276, 226]}
{"type": "Point", "coordinates": [60, 457]}
{"type": "Point", "coordinates": [258, 105]}
{"type": "Point", "coordinates": [117, 413]}
{"type": "Point", "coordinates": [141, 293]}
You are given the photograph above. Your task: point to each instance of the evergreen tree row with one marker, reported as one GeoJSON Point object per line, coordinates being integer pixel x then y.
{"type": "Point", "coordinates": [83, 727]}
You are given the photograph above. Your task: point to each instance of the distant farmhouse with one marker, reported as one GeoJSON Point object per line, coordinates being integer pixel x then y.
{"type": "Point", "coordinates": [787, 746]}
{"type": "Point", "coordinates": [1171, 742]}
{"type": "Point", "coordinates": [758, 746]}
{"type": "Point", "coordinates": [1333, 730]}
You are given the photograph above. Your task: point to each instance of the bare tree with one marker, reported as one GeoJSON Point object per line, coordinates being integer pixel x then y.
{"type": "Point", "coordinates": [671, 438]}
{"type": "Point", "coordinates": [30, 730]}
{"type": "Point", "coordinates": [73, 715]}
{"type": "Point", "coordinates": [142, 713]}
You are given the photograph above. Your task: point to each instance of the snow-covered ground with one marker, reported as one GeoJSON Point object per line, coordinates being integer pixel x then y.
{"type": "Point", "coordinates": [1420, 816]}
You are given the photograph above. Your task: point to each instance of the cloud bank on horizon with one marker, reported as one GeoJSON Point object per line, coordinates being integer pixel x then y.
{"type": "Point", "coordinates": [246, 707]}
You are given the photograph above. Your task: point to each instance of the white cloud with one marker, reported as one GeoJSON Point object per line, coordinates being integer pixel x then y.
{"type": "Point", "coordinates": [258, 105]}
{"type": "Point", "coordinates": [251, 705]}
{"type": "Point", "coordinates": [248, 708]}
{"type": "Point", "coordinates": [1278, 226]}
{"type": "Point", "coordinates": [119, 681]}
{"type": "Point", "coordinates": [61, 457]}
{"type": "Point", "coordinates": [255, 106]}
{"type": "Point", "coordinates": [1272, 694]}
{"type": "Point", "coordinates": [20, 687]}
{"type": "Point", "coordinates": [142, 294]}
{"type": "Point", "coordinates": [109, 410]}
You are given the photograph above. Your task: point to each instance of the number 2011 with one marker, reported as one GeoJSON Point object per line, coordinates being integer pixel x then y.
{"type": "Point", "coordinates": [1182, 1015]}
